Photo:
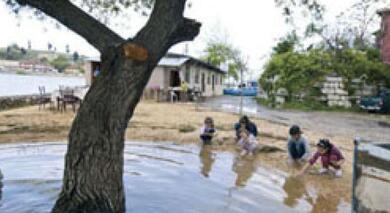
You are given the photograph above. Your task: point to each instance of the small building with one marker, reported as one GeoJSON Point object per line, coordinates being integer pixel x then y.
{"type": "Point", "coordinates": [384, 35]}
{"type": "Point", "coordinates": [9, 65]}
{"type": "Point", "coordinates": [172, 70]}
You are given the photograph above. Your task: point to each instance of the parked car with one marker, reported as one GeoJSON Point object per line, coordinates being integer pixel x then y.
{"type": "Point", "coordinates": [379, 103]}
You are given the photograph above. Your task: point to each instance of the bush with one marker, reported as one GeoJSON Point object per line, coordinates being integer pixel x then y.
{"type": "Point", "coordinates": [60, 63]}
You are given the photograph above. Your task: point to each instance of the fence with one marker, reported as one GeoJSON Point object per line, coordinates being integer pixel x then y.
{"type": "Point", "coordinates": [371, 177]}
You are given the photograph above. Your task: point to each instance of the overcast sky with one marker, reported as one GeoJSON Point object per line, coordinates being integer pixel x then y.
{"type": "Point", "coordinates": [251, 25]}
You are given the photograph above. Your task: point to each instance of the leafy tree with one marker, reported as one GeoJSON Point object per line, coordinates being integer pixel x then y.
{"type": "Point", "coordinates": [49, 46]}
{"type": "Point", "coordinates": [218, 53]}
{"type": "Point", "coordinates": [13, 52]}
{"type": "Point", "coordinates": [299, 72]}
{"type": "Point", "coordinates": [75, 56]}
{"type": "Point", "coordinates": [60, 63]}
{"type": "Point", "coordinates": [286, 44]}
{"type": "Point", "coordinates": [93, 173]}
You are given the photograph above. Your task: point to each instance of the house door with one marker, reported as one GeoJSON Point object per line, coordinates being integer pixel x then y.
{"type": "Point", "coordinates": [174, 79]}
{"type": "Point", "coordinates": [203, 83]}
{"type": "Point", "coordinates": [213, 83]}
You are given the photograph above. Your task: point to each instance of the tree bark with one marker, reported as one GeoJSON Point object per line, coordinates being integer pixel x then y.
{"type": "Point", "coordinates": [93, 176]}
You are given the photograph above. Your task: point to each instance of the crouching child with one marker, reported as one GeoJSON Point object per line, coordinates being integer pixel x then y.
{"type": "Point", "coordinates": [297, 146]}
{"type": "Point", "coordinates": [331, 159]}
{"type": "Point", "coordinates": [247, 142]}
{"type": "Point", "coordinates": [208, 131]}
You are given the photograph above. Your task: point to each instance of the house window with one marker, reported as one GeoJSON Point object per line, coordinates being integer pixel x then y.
{"type": "Point", "coordinates": [221, 80]}
{"type": "Point", "coordinates": [208, 79]}
{"type": "Point", "coordinates": [197, 72]}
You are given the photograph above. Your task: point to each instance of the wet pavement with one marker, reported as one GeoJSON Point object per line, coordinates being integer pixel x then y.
{"type": "Point", "coordinates": [364, 125]}
{"type": "Point", "coordinates": [166, 177]}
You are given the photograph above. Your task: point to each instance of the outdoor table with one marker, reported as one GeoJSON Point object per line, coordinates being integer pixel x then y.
{"type": "Point", "coordinates": [77, 92]}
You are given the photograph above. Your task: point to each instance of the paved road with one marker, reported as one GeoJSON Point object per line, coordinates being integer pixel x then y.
{"type": "Point", "coordinates": [369, 126]}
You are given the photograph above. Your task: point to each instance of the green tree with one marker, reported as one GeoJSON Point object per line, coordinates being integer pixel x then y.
{"type": "Point", "coordinates": [286, 44]}
{"type": "Point", "coordinates": [60, 63]}
{"type": "Point", "coordinates": [218, 53]}
{"type": "Point", "coordinates": [299, 72]}
{"type": "Point", "coordinates": [13, 52]}
{"type": "Point", "coordinates": [75, 56]}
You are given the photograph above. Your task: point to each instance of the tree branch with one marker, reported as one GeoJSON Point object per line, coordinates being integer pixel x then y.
{"type": "Point", "coordinates": [96, 33]}
{"type": "Point", "coordinates": [187, 31]}
{"type": "Point", "coordinates": [166, 27]}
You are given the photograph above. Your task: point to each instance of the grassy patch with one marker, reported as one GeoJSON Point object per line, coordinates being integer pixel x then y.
{"type": "Point", "coordinates": [20, 72]}
{"type": "Point", "coordinates": [265, 102]}
{"type": "Point", "coordinates": [186, 128]}
{"type": "Point", "coordinates": [307, 105]}
{"type": "Point", "coordinates": [32, 129]}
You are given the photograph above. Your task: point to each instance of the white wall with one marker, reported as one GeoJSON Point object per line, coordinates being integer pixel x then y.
{"type": "Point", "coordinates": [160, 78]}
{"type": "Point", "coordinates": [157, 80]}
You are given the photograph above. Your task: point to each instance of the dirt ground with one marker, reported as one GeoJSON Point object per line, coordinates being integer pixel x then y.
{"type": "Point", "coordinates": [178, 123]}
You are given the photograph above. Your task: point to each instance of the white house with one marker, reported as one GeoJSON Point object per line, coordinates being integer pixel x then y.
{"type": "Point", "coordinates": [174, 69]}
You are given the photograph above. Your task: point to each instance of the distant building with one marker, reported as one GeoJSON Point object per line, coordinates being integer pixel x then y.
{"type": "Point", "coordinates": [26, 66]}
{"type": "Point", "coordinates": [174, 69]}
{"type": "Point", "coordinates": [35, 66]}
{"type": "Point", "coordinates": [384, 35]}
{"type": "Point", "coordinates": [9, 65]}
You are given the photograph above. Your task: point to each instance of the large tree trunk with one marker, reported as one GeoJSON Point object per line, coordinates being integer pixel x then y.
{"type": "Point", "coordinates": [93, 176]}
{"type": "Point", "coordinates": [94, 161]}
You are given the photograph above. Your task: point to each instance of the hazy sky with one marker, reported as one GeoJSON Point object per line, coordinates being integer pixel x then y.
{"type": "Point", "coordinates": [252, 25]}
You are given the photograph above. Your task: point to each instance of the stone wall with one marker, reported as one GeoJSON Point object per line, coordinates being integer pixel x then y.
{"type": "Point", "coordinates": [10, 102]}
{"type": "Point", "coordinates": [334, 92]}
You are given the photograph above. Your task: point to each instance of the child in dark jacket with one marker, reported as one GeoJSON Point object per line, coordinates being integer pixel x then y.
{"type": "Point", "coordinates": [208, 131]}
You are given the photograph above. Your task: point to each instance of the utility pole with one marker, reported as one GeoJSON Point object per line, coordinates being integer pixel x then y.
{"type": "Point", "coordinates": [241, 91]}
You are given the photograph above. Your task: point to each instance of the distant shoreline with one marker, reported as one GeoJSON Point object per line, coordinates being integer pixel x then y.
{"type": "Point", "coordinates": [52, 74]}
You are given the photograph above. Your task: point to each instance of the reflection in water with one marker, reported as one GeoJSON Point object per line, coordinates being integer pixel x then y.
{"type": "Point", "coordinates": [295, 189]}
{"type": "Point", "coordinates": [244, 168]}
{"type": "Point", "coordinates": [161, 177]}
{"type": "Point", "coordinates": [1, 186]}
{"type": "Point", "coordinates": [207, 159]}
{"type": "Point", "coordinates": [326, 203]}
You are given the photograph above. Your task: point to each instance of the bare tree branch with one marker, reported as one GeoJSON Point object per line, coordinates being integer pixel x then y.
{"type": "Point", "coordinates": [96, 33]}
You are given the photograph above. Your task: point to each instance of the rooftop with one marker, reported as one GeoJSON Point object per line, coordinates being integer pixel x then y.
{"type": "Point", "coordinates": [176, 60]}
{"type": "Point", "coordinates": [384, 11]}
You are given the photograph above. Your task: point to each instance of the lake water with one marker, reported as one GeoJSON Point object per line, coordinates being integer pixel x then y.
{"type": "Point", "coordinates": [163, 177]}
{"type": "Point", "coordinates": [13, 84]}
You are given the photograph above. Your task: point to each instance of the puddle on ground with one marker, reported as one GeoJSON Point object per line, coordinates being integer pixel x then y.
{"type": "Point", "coordinates": [164, 177]}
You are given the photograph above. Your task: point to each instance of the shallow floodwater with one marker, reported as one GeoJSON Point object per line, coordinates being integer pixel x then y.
{"type": "Point", "coordinates": [162, 177]}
